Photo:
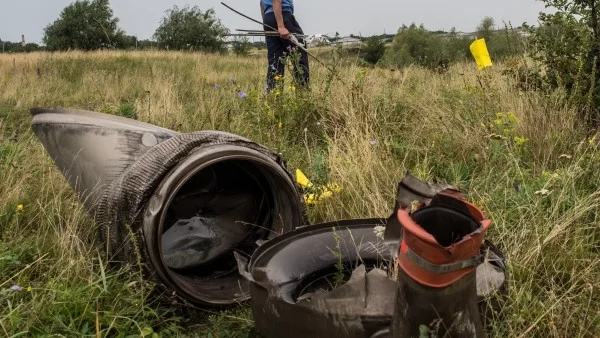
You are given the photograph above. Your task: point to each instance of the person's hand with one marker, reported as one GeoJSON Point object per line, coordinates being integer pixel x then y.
{"type": "Point", "coordinates": [283, 32]}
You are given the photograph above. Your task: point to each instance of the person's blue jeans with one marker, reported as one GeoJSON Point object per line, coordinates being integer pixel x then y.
{"type": "Point", "coordinates": [278, 48]}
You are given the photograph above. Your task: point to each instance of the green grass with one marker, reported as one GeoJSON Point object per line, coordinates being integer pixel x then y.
{"type": "Point", "coordinates": [453, 128]}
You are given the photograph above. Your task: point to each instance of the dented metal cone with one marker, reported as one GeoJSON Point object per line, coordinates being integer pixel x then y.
{"type": "Point", "coordinates": [438, 260]}
{"type": "Point", "coordinates": [93, 149]}
{"type": "Point", "coordinates": [182, 203]}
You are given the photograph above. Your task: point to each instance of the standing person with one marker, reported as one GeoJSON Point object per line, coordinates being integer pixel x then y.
{"type": "Point", "coordinates": [280, 14]}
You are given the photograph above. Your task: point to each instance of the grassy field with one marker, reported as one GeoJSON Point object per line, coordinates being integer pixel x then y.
{"type": "Point", "coordinates": [524, 157]}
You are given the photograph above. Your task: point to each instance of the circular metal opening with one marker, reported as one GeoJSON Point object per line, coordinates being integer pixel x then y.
{"type": "Point", "coordinates": [217, 201]}
{"type": "Point", "coordinates": [332, 277]}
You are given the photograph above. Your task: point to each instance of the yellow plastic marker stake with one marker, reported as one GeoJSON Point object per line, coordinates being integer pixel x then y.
{"type": "Point", "coordinates": [302, 179]}
{"type": "Point", "coordinates": [481, 54]}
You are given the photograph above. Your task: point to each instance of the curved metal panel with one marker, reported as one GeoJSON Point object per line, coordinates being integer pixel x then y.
{"type": "Point", "coordinates": [93, 149]}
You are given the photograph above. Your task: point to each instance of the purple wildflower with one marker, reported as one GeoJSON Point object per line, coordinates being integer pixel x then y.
{"type": "Point", "coordinates": [217, 86]}
{"type": "Point", "coordinates": [16, 288]}
{"type": "Point", "coordinates": [242, 95]}
{"type": "Point", "coordinates": [373, 142]}
{"type": "Point", "coordinates": [232, 80]}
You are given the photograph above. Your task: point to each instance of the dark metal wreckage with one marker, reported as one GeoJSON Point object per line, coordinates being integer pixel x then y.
{"type": "Point", "coordinates": [216, 219]}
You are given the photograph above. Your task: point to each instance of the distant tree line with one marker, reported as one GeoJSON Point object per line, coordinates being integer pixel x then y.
{"type": "Point", "coordinates": [91, 25]}
{"type": "Point", "coordinates": [17, 47]}
{"type": "Point", "coordinates": [415, 45]}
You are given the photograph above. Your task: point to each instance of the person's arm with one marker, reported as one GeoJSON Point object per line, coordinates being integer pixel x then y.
{"type": "Point", "coordinates": [283, 32]}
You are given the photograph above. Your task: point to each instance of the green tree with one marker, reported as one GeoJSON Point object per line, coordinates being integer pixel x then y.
{"type": "Point", "coordinates": [374, 50]}
{"type": "Point", "coordinates": [241, 46]}
{"type": "Point", "coordinates": [486, 28]}
{"type": "Point", "coordinates": [127, 42]}
{"type": "Point", "coordinates": [259, 45]}
{"type": "Point", "coordinates": [457, 47]}
{"type": "Point", "coordinates": [16, 47]}
{"type": "Point", "coordinates": [85, 25]}
{"type": "Point", "coordinates": [191, 29]}
{"type": "Point", "coordinates": [415, 45]}
{"type": "Point", "coordinates": [500, 43]}
{"type": "Point", "coordinates": [567, 44]}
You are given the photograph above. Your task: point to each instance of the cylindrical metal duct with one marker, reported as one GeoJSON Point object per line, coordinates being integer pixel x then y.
{"type": "Point", "coordinates": [179, 204]}
{"type": "Point", "coordinates": [438, 260]}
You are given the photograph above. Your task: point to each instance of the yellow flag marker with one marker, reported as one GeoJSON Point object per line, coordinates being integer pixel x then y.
{"type": "Point", "coordinates": [481, 54]}
{"type": "Point", "coordinates": [302, 179]}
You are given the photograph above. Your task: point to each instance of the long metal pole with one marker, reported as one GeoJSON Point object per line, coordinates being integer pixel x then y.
{"type": "Point", "coordinates": [292, 39]}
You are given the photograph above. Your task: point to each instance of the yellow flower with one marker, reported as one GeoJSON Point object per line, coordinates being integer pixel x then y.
{"type": "Point", "coordinates": [20, 207]}
{"type": "Point", "coordinates": [293, 88]}
{"type": "Point", "coordinates": [277, 92]}
{"type": "Point", "coordinates": [280, 124]}
{"type": "Point", "coordinates": [29, 289]}
{"type": "Point", "coordinates": [592, 140]}
{"type": "Point", "coordinates": [277, 77]}
{"type": "Point", "coordinates": [519, 141]}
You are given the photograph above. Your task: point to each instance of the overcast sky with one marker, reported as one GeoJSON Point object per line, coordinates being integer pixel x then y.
{"type": "Point", "coordinates": [366, 17]}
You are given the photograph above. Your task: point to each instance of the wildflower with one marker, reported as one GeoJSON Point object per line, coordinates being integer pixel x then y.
{"type": "Point", "coordinates": [242, 95]}
{"type": "Point", "coordinates": [520, 141]}
{"type": "Point", "coordinates": [373, 142]}
{"type": "Point", "coordinates": [16, 288]}
{"type": "Point", "coordinates": [28, 289]}
{"type": "Point", "coordinates": [592, 140]}
{"type": "Point", "coordinates": [217, 86]}
{"type": "Point", "coordinates": [277, 92]}
{"type": "Point", "coordinates": [293, 88]}
{"type": "Point", "coordinates": [20, 207]}
{"type": "Point", "coordinates": [277, 77]}
{"type": "Point", "coordinates": [280, 124]}
{"type": "Point", "coordinates": [232, 80]}
{"type": "Point", "coordinates": [319, 124]}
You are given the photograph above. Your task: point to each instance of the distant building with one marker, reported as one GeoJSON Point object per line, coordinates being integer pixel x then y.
{"type": "Point", "coordinates": [523, 32]}
{"type": "Point", "coordinates": [349, 42]}
{"type": "Point", "coordinates": [465, 34]}
{"type": "Point", "coordinates": [317, 40]}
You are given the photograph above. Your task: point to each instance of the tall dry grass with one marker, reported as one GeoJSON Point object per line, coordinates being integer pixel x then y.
{"type": "Point", "coordinates": [523, 156]}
